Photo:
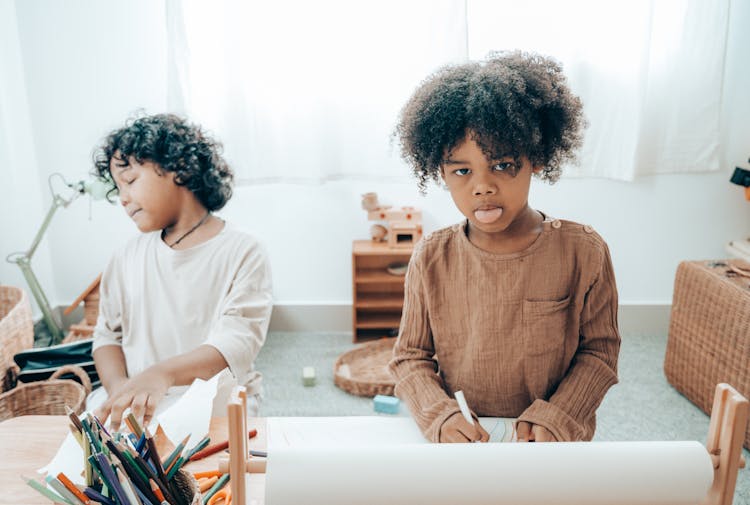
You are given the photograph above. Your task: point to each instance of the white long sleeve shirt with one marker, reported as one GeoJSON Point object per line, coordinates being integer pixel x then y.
{"type": "Point", "coordinates": [157, 302]}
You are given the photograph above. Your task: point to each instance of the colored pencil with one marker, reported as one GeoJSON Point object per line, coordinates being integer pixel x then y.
{"type": "Point", "coordinates": [92, 437]}
{"type": "Point", "coordinates": [74, 418]}
{"type": "Point", "coordinates": [219, 484]}
{"type": "Point", "coordinates": [198, 447]}
{"type": "Point", "coordinates": [153, 455]}
{"type": "Point", "coordinates": [127, 486]}
{"type": "Point", "coordinates": [157, 492]}
{"type": "Point", "coordinates": [136, 428]}
{"type": "Point", "coordinates": [175, 467]}
{"type": "Point", "coordinates": [175, 453]}
{"type": "Point", "coordinates": [213, 449]}
{"type": "Point", "coordinates": [162, 483]}
{"type": "Point", "coordinates": [97, 496]}
{"type": "Point", "coordinates": [141, 443]}
{"type": "Point", "coordinates": [41, 488]}
{"type": "Point", "coordinates": [137, 476]}
{"type": "Point", "coordinates": [144, 499]}
{"type": "Point", "coordinates": [208, 451]}
{"type": "Point", "coordinates": [72, 487]}
{"type": "Point", "coordinates": [113, 483]}
{"type": "Point", "coordinates": [62, 490]}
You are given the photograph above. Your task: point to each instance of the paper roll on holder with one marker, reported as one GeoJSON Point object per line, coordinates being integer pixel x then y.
{"type": "Point", "coordinates": [729, 417]}
{"type": "Point", "coordinates": [726, 431]}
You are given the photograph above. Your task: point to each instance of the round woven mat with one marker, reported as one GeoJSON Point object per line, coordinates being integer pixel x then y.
{"type": "Point", "coordinates": [363, 371]}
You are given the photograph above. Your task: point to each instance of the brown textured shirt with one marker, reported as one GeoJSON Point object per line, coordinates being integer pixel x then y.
{"type": "Point", "coordinates": [531, 334]}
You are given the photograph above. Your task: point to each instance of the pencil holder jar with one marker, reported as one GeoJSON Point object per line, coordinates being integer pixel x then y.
{"type": "Point", "coordinates": [48, 397]}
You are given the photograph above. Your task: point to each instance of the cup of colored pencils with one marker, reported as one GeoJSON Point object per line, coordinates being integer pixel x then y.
{"type": "Point", "coordinates": [122, 468]}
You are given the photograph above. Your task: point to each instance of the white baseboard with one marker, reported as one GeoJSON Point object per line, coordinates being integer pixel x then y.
{"type": "Point", "coordinates": [652, 318]}
{"type": "Point", "coordinates": [311, 317]}
{"type": "Point", "coordinates": [644, 318]}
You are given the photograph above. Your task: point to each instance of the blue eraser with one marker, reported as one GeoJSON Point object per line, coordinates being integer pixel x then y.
{"type": "Point", "coordinates": [386, 404]}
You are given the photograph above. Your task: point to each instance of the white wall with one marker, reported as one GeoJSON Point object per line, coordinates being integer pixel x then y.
{"type": "Point", "coordinates": [78, 91]}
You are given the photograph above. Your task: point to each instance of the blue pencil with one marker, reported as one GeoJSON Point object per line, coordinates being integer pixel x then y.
{"type": "Point", "coordinates": [113, 483]}
{"type": "Point", "coordinates": [97, 496]}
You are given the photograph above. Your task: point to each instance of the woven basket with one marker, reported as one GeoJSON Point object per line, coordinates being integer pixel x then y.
{"type": "Point", "coordinates": [16, 330]}
{"type": "Point", "coordinates": [709, 331]}
{"type": "Point", "coordinates": [363, 371]}
{"type": "Point", "coordinates": [47, 397]}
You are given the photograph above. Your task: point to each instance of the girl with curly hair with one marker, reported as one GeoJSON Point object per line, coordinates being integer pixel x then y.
{"type": "Point", "coordinates": [191, 296]}
{"type": "Point", "coordinates": [513, 307]}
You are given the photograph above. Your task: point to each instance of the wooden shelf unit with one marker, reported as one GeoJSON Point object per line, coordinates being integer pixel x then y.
{"type": "Point", "coordinates": [377, 296]}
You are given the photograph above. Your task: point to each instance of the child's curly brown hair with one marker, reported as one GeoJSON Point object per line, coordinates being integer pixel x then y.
{"type": "Point", "coordinates": [514, 104]}
{"type": "Point", "coordinates": [176, 146]}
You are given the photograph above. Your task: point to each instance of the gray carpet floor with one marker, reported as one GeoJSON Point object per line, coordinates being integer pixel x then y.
{"type": "Point", "coordinates": [643, 406]}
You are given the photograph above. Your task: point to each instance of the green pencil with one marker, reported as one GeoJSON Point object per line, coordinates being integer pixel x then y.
{"type": "Point", "coordinates": [201, 445]}
{"type": "Point", "coordinates": [51, 495]}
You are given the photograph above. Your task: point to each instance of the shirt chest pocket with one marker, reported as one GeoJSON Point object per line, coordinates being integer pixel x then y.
{"type": "Point", "coordinates": [544, 325]}
{"type": "Point", "coordinates": [544, 328]}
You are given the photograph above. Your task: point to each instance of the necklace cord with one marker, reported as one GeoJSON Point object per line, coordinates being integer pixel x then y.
{"type": "Point", "coordinates": [191, 230]}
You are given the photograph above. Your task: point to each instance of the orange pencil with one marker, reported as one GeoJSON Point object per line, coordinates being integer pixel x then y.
{"type": "Point", "coordinates": [72, 488]}
{"type": "Point", "coordinates": [213, 449]}
{"type": "Point", "coordinates": [157, 492]}
{"type": "Point", "coordinates": [208, 474]}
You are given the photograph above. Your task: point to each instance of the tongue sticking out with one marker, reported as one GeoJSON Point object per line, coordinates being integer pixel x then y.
{"type": "Point", "coordinates": [488, 216]}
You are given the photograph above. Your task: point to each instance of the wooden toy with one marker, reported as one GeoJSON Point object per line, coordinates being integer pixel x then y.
{"type": "Point", "coordinates": [404, 234]}
{"type": "Point", "coordinates": [403, 225]}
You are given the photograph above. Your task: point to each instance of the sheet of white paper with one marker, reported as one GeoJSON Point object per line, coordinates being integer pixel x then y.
{"type": "Point", "coordinates": [68, 460]}
{"type": "Point", "coordinates": [362, 431]}
{"type": "Point", "coordinates": [191, 414]}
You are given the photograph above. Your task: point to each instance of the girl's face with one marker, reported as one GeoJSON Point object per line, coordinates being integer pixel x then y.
{"type": "Point", "coordinates": [148, 194]}
{"type": "Point", "coordinates": [491, 193]}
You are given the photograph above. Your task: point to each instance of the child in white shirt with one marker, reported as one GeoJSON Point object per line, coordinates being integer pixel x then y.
{"type": "Point", "coordinates": [191, 296]}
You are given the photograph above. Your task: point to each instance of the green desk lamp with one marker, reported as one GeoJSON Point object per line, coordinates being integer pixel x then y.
{"type": "Point", "coordinates": [97, 190]}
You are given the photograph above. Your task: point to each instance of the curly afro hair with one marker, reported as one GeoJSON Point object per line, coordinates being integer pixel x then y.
{"type": "Point", "coordinates": [176, 146]}
{"type": "Point", "coordinates": [513, 104]}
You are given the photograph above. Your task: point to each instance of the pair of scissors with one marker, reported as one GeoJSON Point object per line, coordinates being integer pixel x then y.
{"type": "Point", "coordinates": [222, 497]}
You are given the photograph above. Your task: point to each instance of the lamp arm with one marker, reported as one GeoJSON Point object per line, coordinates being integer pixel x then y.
{"type": "Point", "coordinates": [57, 202]}
{"type": "Point", "coordinates": [41, 299]}
{"type": "Point", "coordinates": [23, 260]}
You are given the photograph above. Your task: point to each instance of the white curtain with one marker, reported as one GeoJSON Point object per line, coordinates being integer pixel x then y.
{"type": "Point", "coordinates": [308, 91]}
{"type": "Point", "coordinates": [649, 73]}
{"type": "Point", "coordinates": [21, 187]}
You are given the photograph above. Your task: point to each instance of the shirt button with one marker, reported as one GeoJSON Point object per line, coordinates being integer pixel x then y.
{"type": "Point", "coordinates": [587, 228]}
{"type": "Point", "coordinates": [556, 224]}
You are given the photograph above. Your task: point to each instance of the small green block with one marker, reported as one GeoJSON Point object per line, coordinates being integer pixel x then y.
{"type": "Point", "coordinates": [308, 376]}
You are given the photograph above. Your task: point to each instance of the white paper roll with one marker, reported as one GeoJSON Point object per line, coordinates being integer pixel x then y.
{"type": "Point", "coordinates": [586, 473]}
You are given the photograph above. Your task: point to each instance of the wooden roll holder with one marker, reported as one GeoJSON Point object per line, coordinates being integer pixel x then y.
{"type": "Point", "coordinates": [239, 461]}
{"type": "Point", "coordinates": [729, 416]}
{"type": "Point", "coordinates": [726, 432]}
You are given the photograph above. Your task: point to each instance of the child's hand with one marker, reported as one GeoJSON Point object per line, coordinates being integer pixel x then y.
{"type": "Point", "coordinates": [141, 394]}
{"type": "Point", "coordinates": [456, 429]}
{"type": "Point", "coordinates": [527, 432]}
